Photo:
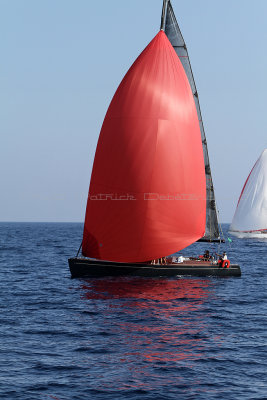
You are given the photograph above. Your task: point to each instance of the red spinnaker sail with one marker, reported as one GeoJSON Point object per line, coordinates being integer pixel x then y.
{"type": "Point", "coordinates": [147, 195]}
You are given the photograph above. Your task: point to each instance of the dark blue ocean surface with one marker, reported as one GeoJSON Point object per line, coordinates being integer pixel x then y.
{"type": "Point", "coordinates": [127, 338]}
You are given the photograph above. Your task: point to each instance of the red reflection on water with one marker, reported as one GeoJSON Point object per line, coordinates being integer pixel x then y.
{"type": "Point", "coordinates": [147, 289]}
{"type": "Point", "coordinates": [162, 320]}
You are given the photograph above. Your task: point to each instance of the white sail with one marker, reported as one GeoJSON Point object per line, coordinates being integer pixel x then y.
{"type": "Point", "coordinates": [251, 211]}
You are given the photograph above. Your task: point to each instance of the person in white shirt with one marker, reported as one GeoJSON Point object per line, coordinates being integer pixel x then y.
{"type": "Point", "coordinates": [222, 258]}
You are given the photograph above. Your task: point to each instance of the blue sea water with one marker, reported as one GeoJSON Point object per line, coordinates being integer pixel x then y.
{"type": "Point", "coordinates": [127, 338]}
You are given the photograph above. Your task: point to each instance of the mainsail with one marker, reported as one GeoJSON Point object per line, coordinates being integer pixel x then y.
{"type": "Point", "coordinates": [139, 208]}
{"type": "Point", "coordinates": [251, 211]}
{"type": "Point", "coordinates": [170, 26]}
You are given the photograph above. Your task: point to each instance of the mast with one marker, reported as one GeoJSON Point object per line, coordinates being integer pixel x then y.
{"type": "Point", "coordinates": [170, 26]}
{"type": "Point", "coordinates": [163, 15]}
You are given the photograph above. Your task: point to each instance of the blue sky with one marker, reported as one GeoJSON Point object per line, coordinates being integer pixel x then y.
{"type": "Point", "coordinates": [61, 62]}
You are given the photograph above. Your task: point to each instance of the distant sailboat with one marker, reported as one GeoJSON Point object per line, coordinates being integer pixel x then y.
{"type": "Point", "coordinates": [151, 183]}
{"type": "Point", "coordinates": [250, 218]}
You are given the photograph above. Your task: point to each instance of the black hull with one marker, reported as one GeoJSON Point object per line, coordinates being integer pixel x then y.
{"type": "Point", "coordinates": [83, 267]}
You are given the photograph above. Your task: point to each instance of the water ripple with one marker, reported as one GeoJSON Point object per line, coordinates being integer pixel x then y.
{"type": "Point", "coordinates": [126, 338]}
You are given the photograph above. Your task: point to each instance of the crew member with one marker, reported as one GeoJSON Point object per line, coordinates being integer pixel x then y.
{"type": "Point", "coordinates": [206, 256]}
{"type": "Point", "coordinates": [222, 258]}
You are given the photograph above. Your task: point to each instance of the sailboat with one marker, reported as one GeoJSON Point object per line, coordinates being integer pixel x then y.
{"type": "Point", "coordinates": [151, 191]}
{"type": "Point", "coordinates": [250, 218]}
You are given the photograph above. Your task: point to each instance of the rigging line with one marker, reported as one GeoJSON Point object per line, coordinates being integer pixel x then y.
{"type": "Point", "coordinates": [79, 249]}
{"type": "Point", "coordinates": [220, 230]}
{"type": "Point", "coordinates": [210, 210]}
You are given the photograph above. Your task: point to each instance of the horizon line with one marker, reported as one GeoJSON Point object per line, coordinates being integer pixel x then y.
{"type": "Point", "coordinates": [57, 222]}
